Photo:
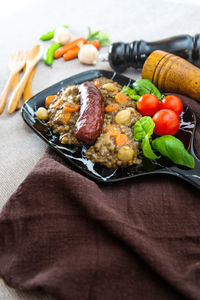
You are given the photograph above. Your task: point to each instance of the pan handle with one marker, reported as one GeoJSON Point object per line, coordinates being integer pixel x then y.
{"type": "Point", "coordinates": [192, 175]}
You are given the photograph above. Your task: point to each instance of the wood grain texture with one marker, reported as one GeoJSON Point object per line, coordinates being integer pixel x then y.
{"type": "Point", "coordinates": [170, 73]}
{"type": "Point", "coordinates": [27, 91]}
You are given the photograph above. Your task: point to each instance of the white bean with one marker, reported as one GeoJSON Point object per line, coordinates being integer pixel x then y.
{"type": "Point", "coordinates": [125, 153]}
{"type": "Point", "coordinates": [110, 87]}
{"type": "Point", "coordinates": [123, 116]}
{"type": "Point", "coordinates": [42, 113]}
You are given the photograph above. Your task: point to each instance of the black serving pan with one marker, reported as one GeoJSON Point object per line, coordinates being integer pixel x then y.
{"type": "Point", "coordinates": [75, 154]}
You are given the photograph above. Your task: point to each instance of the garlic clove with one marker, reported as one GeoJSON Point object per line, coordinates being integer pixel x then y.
{"type": "Point", "coordinates": [62, 35]}
{"type": "Point", "coordinates": [88, 54]}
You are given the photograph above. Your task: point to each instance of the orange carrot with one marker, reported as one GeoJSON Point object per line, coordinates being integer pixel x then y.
{"type": "Point", "coordinates": [121, 139]}
{"type": "Point", "coordinates": [71, 107]}
{"type": "Point", "coordinates": [62, 50]}
{"type": "Point", "coordinates": [97, 83]}
{"type": "Point", "coordinates": [114, 92]}
{"type": "Point", "coordinates": [49, 100]}
{"type": "Point", "coordinates": [121, 98]}
{"type": "Point", "coordinates": [111, 107]}
{"type": "Point", "coordinates": [112, 130]}
{"type": "Point", "coordinates": [57, 103]}
{"type": "Point", "coordinates": [95, 43]}
{"type": "Point", "coordinates": [72, 53]}
{"type": "Point", "coordinates": [63, 116]}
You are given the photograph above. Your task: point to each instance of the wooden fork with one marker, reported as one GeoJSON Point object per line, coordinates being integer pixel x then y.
{"type": "Point", "coordinates": [16, 63]}
{"type": "Point", "coordinates": [32, 58]}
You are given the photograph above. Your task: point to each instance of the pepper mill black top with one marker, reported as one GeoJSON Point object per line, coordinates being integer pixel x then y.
{"type": "Point", "coordinates": [124, 55]}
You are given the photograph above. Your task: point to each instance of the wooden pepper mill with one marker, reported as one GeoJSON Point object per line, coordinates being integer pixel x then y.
{"type": "Point", "coordinates": [171, 73]}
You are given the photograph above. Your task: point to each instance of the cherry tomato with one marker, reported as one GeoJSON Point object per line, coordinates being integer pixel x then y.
{"type": "Point", "coordinates": [148, 104]}
{"type": "Point", "coordinates": [172, 102]}
{"type": "Point", "coordinates": [166, 122]}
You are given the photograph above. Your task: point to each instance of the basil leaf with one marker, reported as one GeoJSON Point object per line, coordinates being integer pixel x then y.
{"type": "Point", "coordinates": [133, 95]}
{"type": "Point", "coordinates": [130, 92]}
{"type": "Point", "coordinates": [143, 127]}
{"type": "Point", "coordinates": [125, 90]}
{"type": "Point", "coordinates": [146, 149]}
{"type": "Point", "coordinates": [145, 86]}
{"type": "Point", "coordinates": [174, 149]}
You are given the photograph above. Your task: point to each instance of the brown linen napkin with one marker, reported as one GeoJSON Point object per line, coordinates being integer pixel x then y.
{"type": "Point", "coordinates": [75, 239]}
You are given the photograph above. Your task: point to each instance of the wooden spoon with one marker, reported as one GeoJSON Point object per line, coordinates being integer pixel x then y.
{"type": "Point", "coordinates": [27, 90]}
{"type": "Point", "coordinates": [32, 58]}
{"type": "Point", "coordinates": [16, 63]}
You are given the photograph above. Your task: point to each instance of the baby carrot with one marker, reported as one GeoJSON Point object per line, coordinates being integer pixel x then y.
{"type": "Point", "coordinates": [111, 107]}
{"type": "Point", "coordinates": [72, 53]}
{"type": "Point", "coordinates": [95, 43]}
{"type": "Point", "coordinates": [121, 98]}
{"type": "Point", "coordinates": [49, 100]}
{"type": "Point", "coordinates": [121, 139]}
{"type": "Point", "coordinates": [62, 50]}
{"type": "Point", "coordinates": [71, 107]}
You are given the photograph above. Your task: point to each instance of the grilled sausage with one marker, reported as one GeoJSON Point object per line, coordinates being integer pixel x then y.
{"type": "Point", "coordinates": [89, 124]}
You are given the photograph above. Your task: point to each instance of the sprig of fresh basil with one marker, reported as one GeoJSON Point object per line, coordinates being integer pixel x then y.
{"type": "Point", "coordinates": [174, 149]}
{"type": "Point", "coordinates": [145, 86]}
{"type": "Point", "coordinates": [143, 129]}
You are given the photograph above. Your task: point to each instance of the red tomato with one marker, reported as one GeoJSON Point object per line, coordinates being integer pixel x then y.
{"type": "Point", "coordinates": [172, 102]}
{"type": "Point", "coordinates": [166, 122]}
{"type": "Point", "coordinates": [148, 104]}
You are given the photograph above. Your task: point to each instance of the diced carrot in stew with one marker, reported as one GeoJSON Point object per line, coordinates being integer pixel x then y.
{"type": "Point", "coordinates": [57, 103]}
{"type": "Point", "coordinates": [114, 92]}
{"type": "Point", "coordinates": [64, 116]}
{"type": "Point", "coordinates": [122, 139]}
{"type": "Point", "coordinates": [121, 98]}
{"type": "Point", "coordinates": [71, 107]}
{"type": "Point", "coordinates": [49, 100]}
{"type": "Point", "coordinates": [97, 83]}
{"type": "Point", "coordinates": [111, 107]}
{"type": "Point", "coordinates": [112, 130]}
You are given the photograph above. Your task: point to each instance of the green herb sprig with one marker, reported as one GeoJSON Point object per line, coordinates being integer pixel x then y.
{"type": "Point", "coordinates": [141, 87]}
{"type": "Point", "coordinates": [101, 36]}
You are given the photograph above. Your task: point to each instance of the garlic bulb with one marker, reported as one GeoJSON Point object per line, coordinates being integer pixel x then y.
{"type": "Point", "coordinates": [88, 54]}
{"type": "Point", "coordinates": [62, 35]}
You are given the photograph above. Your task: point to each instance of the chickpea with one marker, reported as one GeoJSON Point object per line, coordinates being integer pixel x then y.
{"type": "Point", "coordinates": [110, 87]}
{"type": "Point", "coordinates": [125, 153]}
{"type": "Point", "coordinates": [42, 113]}
{"type": "Point", "coordinates": [108, 165]}
{"type": "Point", "coordinates": [123, 116]}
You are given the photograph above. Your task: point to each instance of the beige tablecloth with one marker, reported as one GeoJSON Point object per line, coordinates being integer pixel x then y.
{"type": "Point", "coordinates": [23, 21]}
